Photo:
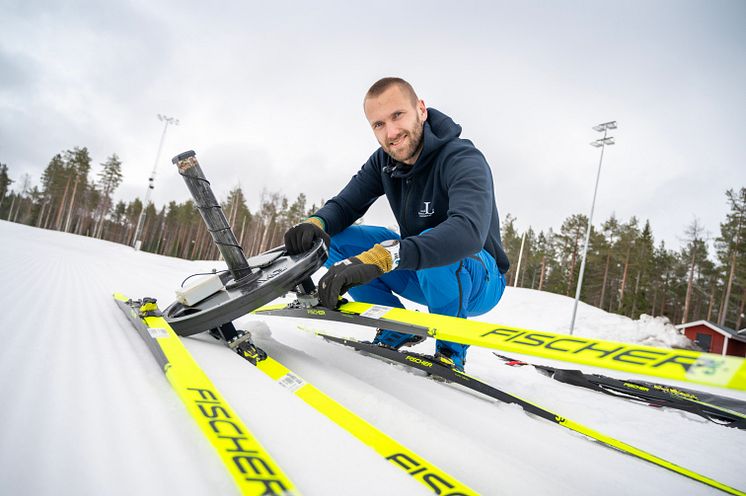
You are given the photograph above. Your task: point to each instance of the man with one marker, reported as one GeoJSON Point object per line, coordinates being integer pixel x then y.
{"type": "Point", "coordinates": [449, 256]}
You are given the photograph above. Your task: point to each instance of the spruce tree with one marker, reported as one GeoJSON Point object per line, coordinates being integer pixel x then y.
{"type": "Point", "coordinates": [570, 244]}
{"type": "Point", "coordinates": [512, 245]}
{"type": "Point", "coordinates": [731, 252]}
{"type": "Point", "coordinates": [5, 182]}
{"type": "Point", "coordinates": [694, 255]}
{"type": "Point", "coordinates": [109, 179]}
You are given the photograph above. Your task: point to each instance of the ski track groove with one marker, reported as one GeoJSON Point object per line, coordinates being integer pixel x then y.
{"type": "Point", "coordinates": [88, 371]}
{"type": "Point", "coordinates": [17, 331]}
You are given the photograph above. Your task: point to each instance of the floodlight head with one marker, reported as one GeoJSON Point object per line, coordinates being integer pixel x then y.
{"type": "Point", "coordinates": [606, 125]}
{"type": "Point", "coordinates": [597, 143]}
{"type": "Point", "coordinates": [609, 141]}
{"type": "Point", "coordinates": [168, 120]}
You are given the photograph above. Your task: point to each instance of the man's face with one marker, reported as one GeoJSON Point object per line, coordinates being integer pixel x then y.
{"type": "Point", "coordinates": [397, 123]}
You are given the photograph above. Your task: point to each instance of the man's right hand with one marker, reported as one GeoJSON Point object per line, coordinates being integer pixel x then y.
{"type": "Point", "coordinates": [301, 238]}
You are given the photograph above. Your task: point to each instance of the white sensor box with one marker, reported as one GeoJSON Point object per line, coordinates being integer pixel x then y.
{"type": "Point", "coordinates": [199, 290]}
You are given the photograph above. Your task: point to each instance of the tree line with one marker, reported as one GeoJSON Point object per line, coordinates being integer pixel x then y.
{"type": "Point", "coordinates": [626, 272]}
{"type": "Point", "coordinates": [69, 200]}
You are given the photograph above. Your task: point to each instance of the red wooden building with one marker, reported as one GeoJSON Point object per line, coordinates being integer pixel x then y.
{"type": "Point", "coordinates": [714, 338]}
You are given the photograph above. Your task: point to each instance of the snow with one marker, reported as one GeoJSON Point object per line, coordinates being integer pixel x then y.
{"type": "Point", "coordinates": [86, 409]}
{"type": "Point", "coordinates": [552, 312]}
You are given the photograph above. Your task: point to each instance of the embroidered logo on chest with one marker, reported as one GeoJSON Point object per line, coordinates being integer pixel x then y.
{"type": "Point", "coordinates": [427, 211]}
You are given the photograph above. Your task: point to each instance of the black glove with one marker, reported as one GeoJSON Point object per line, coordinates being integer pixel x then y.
{"type": "Point", "coordinates": [301, 238]}
{"type": "Point", "coordinates": [342, 276]}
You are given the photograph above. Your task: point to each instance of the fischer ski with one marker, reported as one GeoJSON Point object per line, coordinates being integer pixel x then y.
{"type": "Point", "coordinates": [685, 365]}
{"type": "Point", "coordinates": [253, 470]}
{"type": "Point", "coordinates": [660, 395]}
{"type": "Point", "coordinates": [437, 369]}
{"type": "Point", "coordinates": [434, 478]}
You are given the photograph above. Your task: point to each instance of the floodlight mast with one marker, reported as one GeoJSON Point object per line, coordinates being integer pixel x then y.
{"type": "Point", "coordinates": [599, 143]}
{"type": "Point", "coordinates": [136, 241]}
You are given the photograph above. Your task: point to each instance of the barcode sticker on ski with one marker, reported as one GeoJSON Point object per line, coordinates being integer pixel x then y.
{"type": "Point", "coordinates": [157, 332]}
{"type": "Point", "coordinates": [375, 312]}
{"type": "Point", "coordinates": [291, 381]}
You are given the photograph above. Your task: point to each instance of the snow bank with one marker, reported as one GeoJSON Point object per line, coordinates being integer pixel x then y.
{"type": "Point", "coordinates": [539, 310]}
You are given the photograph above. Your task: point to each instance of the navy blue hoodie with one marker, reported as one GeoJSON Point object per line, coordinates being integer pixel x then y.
{"type": "Point", "coordinates": [448, 190]}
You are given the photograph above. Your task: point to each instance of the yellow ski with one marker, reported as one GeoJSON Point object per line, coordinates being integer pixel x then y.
{"type": "Point", "coordinates": [252, 468]}
{"type": "Point", "coordinates": [684, 365]}
{"type": "Point", "coordinates": [402, 457]}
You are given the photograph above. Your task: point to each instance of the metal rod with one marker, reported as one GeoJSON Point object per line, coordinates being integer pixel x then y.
{"type": "Point", "coordinates": [212, 214]}
{"type": "Point", "coordinates": [151, 180]}
{"type": "Point", "coordinates": [520, 259]}
{"type": "Point", "coordinates": [588, 235]}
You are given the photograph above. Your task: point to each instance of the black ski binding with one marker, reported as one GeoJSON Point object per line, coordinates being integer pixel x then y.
{"type": "Point", "coordinates": [239, 341]}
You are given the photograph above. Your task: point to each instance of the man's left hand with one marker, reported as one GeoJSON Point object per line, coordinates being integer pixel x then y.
{"type": "Point", "coordinates": [355, 271]}
{"type": "Point", "coordinates": [342, 276]}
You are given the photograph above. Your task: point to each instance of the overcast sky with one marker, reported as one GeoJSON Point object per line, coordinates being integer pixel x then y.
{"type": "Point", "coordinates": [269, 95]}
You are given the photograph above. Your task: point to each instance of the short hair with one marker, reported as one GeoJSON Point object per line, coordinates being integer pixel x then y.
{"type": "Point", "coordinates": [385, 83]}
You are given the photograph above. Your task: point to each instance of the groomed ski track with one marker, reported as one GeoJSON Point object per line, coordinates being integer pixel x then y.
{"type": "Point", "coordinates": [87, 410]}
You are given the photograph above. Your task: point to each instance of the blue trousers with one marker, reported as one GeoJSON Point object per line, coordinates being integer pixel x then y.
{"type": "Point", "coordinates": [470, 287]}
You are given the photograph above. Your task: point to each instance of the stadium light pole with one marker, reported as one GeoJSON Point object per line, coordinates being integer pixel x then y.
{"type": "Point", "coordinates": [136, 242]}
{"type": "Point", "coordinates": [599, 143]}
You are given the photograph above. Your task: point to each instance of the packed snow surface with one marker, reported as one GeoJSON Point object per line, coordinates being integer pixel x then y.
{"type": "Point", "coordinates": [87, 411]}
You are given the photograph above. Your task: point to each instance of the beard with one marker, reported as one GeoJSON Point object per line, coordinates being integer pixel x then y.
{"type": "Point", "coordinates": [413, 146]}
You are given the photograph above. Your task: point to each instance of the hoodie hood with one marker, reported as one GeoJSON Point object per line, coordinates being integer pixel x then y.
{"type": "Point", "coordinates": [439, 129]}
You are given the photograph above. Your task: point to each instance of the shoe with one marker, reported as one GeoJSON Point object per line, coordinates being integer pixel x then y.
{"type": "Point", "coordinates": [396, 340]}
{"type": "Point", "coordinates": [453, 356]}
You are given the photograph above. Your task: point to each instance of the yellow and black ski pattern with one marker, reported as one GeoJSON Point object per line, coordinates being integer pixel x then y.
{"type": "Point", "coordinates": [684, 365]}
{"type": "Point", "coordinates": [252, 468]}
{"type": "Point", "coordinates": [434, 478]}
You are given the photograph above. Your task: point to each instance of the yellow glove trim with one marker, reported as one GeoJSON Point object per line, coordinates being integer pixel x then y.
{"type": "Point", "coordinates": [318, 221]}
{"type": "Point", "coordinates": [378, 256]}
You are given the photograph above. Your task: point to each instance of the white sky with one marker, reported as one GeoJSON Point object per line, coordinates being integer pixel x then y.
{"type": "Point", "coordinates": [269, 95]}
